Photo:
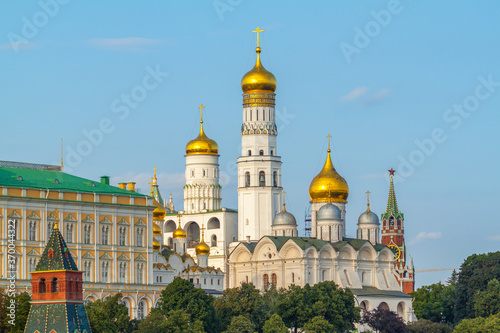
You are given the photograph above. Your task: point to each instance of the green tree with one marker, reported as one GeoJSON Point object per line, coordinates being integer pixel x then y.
{"type": "Point", "coordinates": [155, 322]}
{"type": "Point", "coordinates": [453, 278]}
{"type": "Point", "coordinates": [294, 306]}
{"type": "Point", "coordinates": [384, 321]}
{"type": "Point", "coordinates": [487, 302]}
{"type": "Point", "coordinates": [179, 321]}
{"type": "Point", "coordinates": [109, 315]}
{"type": "Point", "coordinates": [474, 275]}
{"type": "Point", "coordinates": [240, 324]}
{"type": "Point", "coordinates": [245, 300]}
{"type": "Point", "coordinates": [427, 326]}
{"type": "Point", "coordinates": [479, 325]}
{"type": "Point", "coordinates": [275, 325]}
{"type": "Point", "coordinates": [318, 324]}
{"type": "Point", "coordinates": [182, 295]}
{"type": "Point", "coordinates": [22, 310]}
{"type": "Point", "coordinates": [434, 301]}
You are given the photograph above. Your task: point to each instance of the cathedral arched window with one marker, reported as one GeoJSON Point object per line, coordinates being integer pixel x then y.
{"type": "Point", "coordinates": [261, 152]}
{"type": "Point", "coordinates": [272, 152]}
{"type": "Point", "coordinates": [249, 152]}
{"type": "Point", "coordinates": [262, 178]}
{"type": "Point", "coordinates": [274, 279]}
{"type": "Point", "coordinates": [214, 241]}
{"type": "Point", "coordinates": [55, 285]}
{"type": "Point", "coordinates": [247, 179]}
{"type": "Point", "coordinates": [140, 310]}
{"type": "Point", "coordinates": [275, 178]}
{"type": "Point", "coordinates": [41, 286]}
{"type": "Point", "coordinates": [265, 280]}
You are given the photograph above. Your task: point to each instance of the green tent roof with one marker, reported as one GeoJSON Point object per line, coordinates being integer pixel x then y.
{"type": "Point", "coordinates": [60, 258]}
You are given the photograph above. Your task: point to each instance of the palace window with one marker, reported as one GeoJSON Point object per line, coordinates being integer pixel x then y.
{"type": "Point", "coordinates": [139, 237]}
{"type": "Point", "coordinates": [50, 226]}
{"type": "Point", "coordinates": [140, 310]}
{"type": "Point", "coordinates": [122, 235]}
{"type": "Point", "coordinates": [87, 266]}
{"type": "Point", "coordinates": [69, 232]}
{"type": "Point", "coordinates": [104, 272]}
{"type": "Point", "coordinates": [32, 230]}
{"type": "Point", "coordinates": [87, 230]}
{"type": "Point", "coordinates": [104, 235]}
{"type": "Point", "coordinates": [122, 272]}
{"type": "Point", "coordinates": [139, 272]}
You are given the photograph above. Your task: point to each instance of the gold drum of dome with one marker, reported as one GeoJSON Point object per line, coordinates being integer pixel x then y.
{"type": "Point", "coordinates": [156, 230]}
{"type": "Point", "coordinates": [259, 79]}
{"type": "Point", "coordinates": [202, 248]}
{"type": "Point", "coordinates": [328, 185]}
{"type": "Point", "coordinates": [202, 145]}
{"type": "Point", "coordinates": [179, 233]}
{"type": "Point", "coordinates": [159, 212]}
{"type": "Point", "coordinates": [156, 245]}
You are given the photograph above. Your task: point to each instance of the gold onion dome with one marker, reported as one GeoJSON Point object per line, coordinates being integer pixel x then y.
{"type": "Point", "coordinates": [328, 185]}
{"type": "Point", "coordinates": [202, 144]}
{"type": "Point", "coordinates": [156, 245]}
{"type": "Point", "coordinates": [259, 79]}
{"type": "Point", "coordinates": [179, 232]}
{"type": "Point", "coordinates": [156, 230]}
{"type": "Point", "coordinates": [202, 248]}
{"type": "Point", "coordinates": [159, 212]}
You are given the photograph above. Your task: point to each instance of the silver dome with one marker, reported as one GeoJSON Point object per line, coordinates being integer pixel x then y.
{"type": "Point", "coordinates": [329, 212]}
{"type": "Point", "coordinates": [368, 217]}
{"type": "Point", "coordinates": [284, 218]}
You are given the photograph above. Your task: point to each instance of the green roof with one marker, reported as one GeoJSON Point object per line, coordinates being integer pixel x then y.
{"type": "Point", "coordinates": [60, 258]}
{"type": "Point", "coordinates": [392, 204]}
{"type": "Point", "coordinates": [31, 178]}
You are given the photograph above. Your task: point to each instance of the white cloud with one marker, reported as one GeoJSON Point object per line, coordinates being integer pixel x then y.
{"type": "Point", "coordinates": [422, 236]}
{"type": "Point", "coordinates": [494, 238]}
{"type": "Point", "coordinates": [18, 46]}
{"type": "Point", "coordinates": [354, 94]}
{"type": "Point", "coordinates": [124, 44]}
{"type": "Point", "coordinates": [379, 95]}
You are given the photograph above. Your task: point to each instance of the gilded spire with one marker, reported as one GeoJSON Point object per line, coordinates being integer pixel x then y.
{"type": "Point", "coordinates": [155, 190]}
{"type": "Point", "coordinates": [56, 221]}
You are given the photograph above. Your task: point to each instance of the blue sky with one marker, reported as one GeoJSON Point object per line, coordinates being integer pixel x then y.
{"type": "Point", "coordinates": [413, 85]}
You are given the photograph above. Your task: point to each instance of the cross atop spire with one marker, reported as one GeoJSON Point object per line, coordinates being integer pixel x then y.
{"type": "Point", "coordinates": [56, 221]}
{"type": "Point", "coordinates": [202, 233]}
{"type": "Point", "coordinates": [201, 107]}
{"type": "Point", "coordinates": [284, 200]}
{"type": "Point", "coordinates": [368, 200]}
{"type": "Point", "coordinates": [258, 31]}
{"type": "Point", "coordinates": [328, 136]}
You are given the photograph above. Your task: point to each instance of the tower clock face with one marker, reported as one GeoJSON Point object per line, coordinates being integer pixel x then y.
{"type": "Point", "coordinates": [396, 250]}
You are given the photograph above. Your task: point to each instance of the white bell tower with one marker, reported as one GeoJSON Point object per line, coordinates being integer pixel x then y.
{"type": "Point", "coordinates": [259, 166]}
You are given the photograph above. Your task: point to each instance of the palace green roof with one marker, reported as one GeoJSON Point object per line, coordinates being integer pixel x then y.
{"type": "Point", "coordinates": [30, 178]}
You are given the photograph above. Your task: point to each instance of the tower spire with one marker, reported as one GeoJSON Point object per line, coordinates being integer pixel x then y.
{"type": "Point", "coordinates": [392, 205]}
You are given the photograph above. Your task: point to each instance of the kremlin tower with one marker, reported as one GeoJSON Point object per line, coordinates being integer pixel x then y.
{"type": "Point", "coordinates": [393, 236]}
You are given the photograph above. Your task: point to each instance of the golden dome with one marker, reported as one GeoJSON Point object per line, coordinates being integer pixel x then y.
{"type": "Point", "coordinates": [156, 245]}
{"type": "Point", "coordinates": [156, 230]}
{"type": "Point", "coordinates": [328, 185]}
{"type": "Point", "coordinates": [159, 212]}
{"type": "Point", "coordinates": [202, 248]}
{"type": "Point", "coordinates": [179, 232]}
{"type": "Point", "coordinates": [202, 144]}
{"type": "Point", "coordinates": [259, 79]}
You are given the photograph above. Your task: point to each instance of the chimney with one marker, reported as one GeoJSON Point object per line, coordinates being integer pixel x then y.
{"type": "Point", "coordinates": [105, 180]}
{"type": "Point", "coordinates": [131, 186]}
{"type": "Point", "coordinates": [248, 239]}
{"type": "Point", "coordinates": [123, 186]}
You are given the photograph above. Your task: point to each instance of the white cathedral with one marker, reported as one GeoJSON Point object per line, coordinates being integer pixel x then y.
{"type": "Point", "coordinates": [259, 243]}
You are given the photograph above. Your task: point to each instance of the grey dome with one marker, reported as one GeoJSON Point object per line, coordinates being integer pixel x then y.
{"type": "Point", "coordinates": [329, 212]}
{"type": "Point", "coordinates": [284, 218]}
{"type": "Point", "coordinates": [368, 217]}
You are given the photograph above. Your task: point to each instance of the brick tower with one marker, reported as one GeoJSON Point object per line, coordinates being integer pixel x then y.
{"type": "Point", "coordinates": [393, 236]}
{"type": "Point", "coordinates": [57, 302]}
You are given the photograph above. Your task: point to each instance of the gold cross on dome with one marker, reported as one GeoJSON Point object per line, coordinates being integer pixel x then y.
{"type": "Point", "coordinates": [328, 136]}
{"type": "Point", "coordinates": [368, 199]}
{"type": "Point", "coordinates": [179, 216]}
{"type": "Point", "coordinates": [155, 171]}
{"type": "Point", "coordinates": [258, 31]}
{"type": "Point", "coordinates": [201, 107]}
{"type": "Point", "coordinates": [284, 199]}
